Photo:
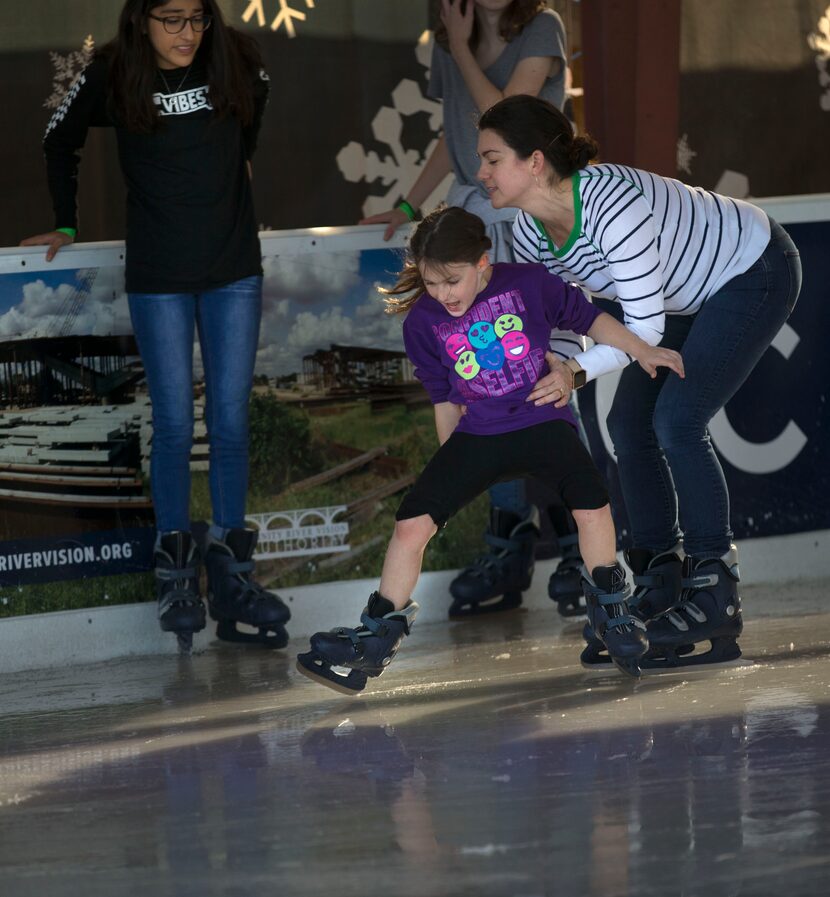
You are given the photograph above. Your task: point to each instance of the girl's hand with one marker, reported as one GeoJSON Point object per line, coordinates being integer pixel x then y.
{"type": "Point", "coordinates": [553, 387]}
{"type": "Point", "coordinates": [394, 218]}
{"type": "Point", "coordinates": [654, 357]}
{"type": "Point", "coordinates": [459, 24]}
{"type": "Point", "coordinates": [54, 240]}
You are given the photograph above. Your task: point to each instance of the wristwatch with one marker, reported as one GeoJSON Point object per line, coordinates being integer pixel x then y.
{"type": "Point", "coordinates": [580, 376]}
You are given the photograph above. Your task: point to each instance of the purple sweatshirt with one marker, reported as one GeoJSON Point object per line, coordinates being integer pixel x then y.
{"type": "Point", "coordinates": [490, 359]}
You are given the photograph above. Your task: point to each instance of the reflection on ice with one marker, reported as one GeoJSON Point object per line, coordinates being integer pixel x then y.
{"type": "Point", "coordinates": [457, 775]}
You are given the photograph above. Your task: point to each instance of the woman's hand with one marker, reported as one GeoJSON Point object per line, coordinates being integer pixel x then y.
{"type": "Point", "coordinates": [653, 357]}
{"type": "Point", "coordinates": [459, 24]}
{"type": "Point", "coordinates": [54, 240]}
{"type": "Point", "coordinates": [553, 387]}
{"type": "Point", "coordinates": [394, 218]}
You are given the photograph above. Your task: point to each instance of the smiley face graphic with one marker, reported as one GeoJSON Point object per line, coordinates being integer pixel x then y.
{"type": "Point", "coordinates": [467, 366]}
{"type": "Point", "coordinates": [508, 324]}
{"type": "Point", "coordinates": [516, 345]}
{"type": "Point", "coordinates": [481, 334]}
{"type": "Point", "coordinates": [456, 344]}
{"type": "Point", "coordinates": [491, 357]}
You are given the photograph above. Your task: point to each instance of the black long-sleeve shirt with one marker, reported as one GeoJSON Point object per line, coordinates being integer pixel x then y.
{"type": "Point", "coordinates": [190, 215]}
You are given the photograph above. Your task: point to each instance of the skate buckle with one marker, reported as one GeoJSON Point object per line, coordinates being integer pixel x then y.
{"type": "Point", "coordinates": [677, 621]}
{"type": "Point", "coordinates": [694, 612]}
{"type": "Point", "coordinates": [700, 582]}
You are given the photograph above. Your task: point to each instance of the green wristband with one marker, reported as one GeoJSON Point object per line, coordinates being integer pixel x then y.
{"type": "Point", "coordinates": [407, 209]}
{"type": "Point", "coordinates": [69, 231]}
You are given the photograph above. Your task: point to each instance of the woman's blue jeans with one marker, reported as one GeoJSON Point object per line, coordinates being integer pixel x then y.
{"type": "Point", "coordinates": [164, 324]}
{"type": "Point", "coordinates": [671, 479]}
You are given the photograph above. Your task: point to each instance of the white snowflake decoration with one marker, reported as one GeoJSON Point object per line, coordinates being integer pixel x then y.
{"type": "Point", "coordinates": [397, 171]}
{"type": "Point", "coordinates": [284, 18]}
{"type": "Point", "coordinates": [733, 183]}
{"type": "Point", "coordinates": [685, 154]}
{"type": "Point", "coordinates": [67, 69]}
{"type": "Point", "coordinates": [820, 42]}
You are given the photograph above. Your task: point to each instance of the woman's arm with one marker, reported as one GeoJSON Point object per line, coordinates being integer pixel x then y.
{"type": "Point", "coordinates": [608, 331]}
{"type": "Point", "coordinates": [528, 77]}
{"type": "Point", "coordinates": [447, 417]}
{"type": "Point", "coordinates": [435, 169]}
{"type": "Point", "coordinates": [556, 386]}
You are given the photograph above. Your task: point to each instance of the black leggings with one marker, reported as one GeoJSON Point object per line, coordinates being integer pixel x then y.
{"type": "Point", "coordinates": [465, 465]}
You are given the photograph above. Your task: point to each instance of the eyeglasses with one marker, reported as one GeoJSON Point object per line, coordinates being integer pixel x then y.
{"type": "Point", "coordinates": [175, 24]}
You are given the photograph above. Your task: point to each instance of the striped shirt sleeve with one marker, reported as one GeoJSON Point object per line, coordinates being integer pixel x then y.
{"type": "Point", "coordinates": [622, 226]}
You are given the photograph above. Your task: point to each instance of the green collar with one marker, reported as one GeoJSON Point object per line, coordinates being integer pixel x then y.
{"type": "Point", "coordinates": [577, 228]}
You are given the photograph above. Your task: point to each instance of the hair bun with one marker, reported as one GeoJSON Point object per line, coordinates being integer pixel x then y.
{"type": "Point", "coordinates": [582, 150]}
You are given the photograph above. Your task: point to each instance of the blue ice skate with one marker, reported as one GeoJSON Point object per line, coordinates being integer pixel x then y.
{"type": "Point", "coordinates": [234, 597]}
{"type": "Point", "coordinates": [359, 653]}
{"type": "Point", "coordinates": [623, 635]}
{"type": "Point", "coordinates": [180, 607]}
{"type": "Point", "coordinates": [495, 580]}
{"type": "Point", "coordinates": [565, 583]}
{"type": "Point", "coordinates": [657, 589]}
{"type": "Point", "coordinates": [709, 612]}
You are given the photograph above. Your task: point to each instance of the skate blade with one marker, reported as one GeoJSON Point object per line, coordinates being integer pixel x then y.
{"type": "Point", "coordinates": [502, 605]}
{"type": "Point", "coordinates": [649, 669]}
{"type": "Point", "coordinates": [697, 669]}
{"type": "Point", "coordinates": [185, 640]}
{"type": "Point", "coordinates": [316, 673]}
{"type": "Point", "coordinates": [722, 652]}
{"type": "Point", "coordinates": [272, 637]}
{"type": "Point", "coordinates": [629, 667]}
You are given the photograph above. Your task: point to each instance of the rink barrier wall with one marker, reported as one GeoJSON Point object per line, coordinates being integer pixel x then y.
{"type": "Point", "coordinates": [130, 630]}
{"type": "Point", "coordinates": [101, 634]}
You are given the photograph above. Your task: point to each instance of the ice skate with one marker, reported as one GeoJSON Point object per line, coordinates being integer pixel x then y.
{"type": "Point", "coordinates": [565, 583]}
{"type": "Point", "coordinates": [233, 597]}
{"type": "Point", "coordinates": [623, 635]}
{"type": "Point", "coordinates": [344, 659]}
{"type": "Point", "coordinates": [180, 607]}
{"type": "Point", "coordinates": [709, 613]}
{"type": "Point", "coordinates": [495, 581]}
{"type": "Point", "coordinates": [657, 589]}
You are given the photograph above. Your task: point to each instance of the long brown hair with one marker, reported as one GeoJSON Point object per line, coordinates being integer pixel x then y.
{"type": "Point", "coordinates": [513, 20]}
{"type": "Point", "coordinates": [230, 58]}
{"type": "Point", "coordinates": [447, 236]}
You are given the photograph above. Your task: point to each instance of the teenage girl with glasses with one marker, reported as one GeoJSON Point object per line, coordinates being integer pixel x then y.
{"type": "Point", "coordinates": [185, 94]}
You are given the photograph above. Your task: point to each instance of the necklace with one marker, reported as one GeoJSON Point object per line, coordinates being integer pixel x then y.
{"type": "Point", "coordinates": [166, 84]}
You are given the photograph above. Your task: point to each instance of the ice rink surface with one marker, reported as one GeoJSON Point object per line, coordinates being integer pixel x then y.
{"type": "Point", "coordinates": [484, 762]}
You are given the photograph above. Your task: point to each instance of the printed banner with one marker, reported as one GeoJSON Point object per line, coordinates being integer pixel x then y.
{"type": "Point", "coordinates": [115, 552]}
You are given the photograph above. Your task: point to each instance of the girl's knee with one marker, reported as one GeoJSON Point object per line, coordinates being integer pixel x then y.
{"type": "Point", "coordinates": [415, 532]}
{"type": "Point", "coordinates": [585, 517]}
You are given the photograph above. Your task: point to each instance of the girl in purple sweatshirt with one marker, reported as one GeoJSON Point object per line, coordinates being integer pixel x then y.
{"type": "Point", "coordinates": [478, 335]}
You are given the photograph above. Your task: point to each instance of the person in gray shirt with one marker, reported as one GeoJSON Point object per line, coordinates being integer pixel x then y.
{"type": "Point", "coordinates": [484, 51]}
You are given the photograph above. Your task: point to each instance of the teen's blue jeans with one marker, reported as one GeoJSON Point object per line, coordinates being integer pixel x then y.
{"type": "Point", "coordinates": [671, 479]}
{"type": "Point", "coordinates": [164, 324]}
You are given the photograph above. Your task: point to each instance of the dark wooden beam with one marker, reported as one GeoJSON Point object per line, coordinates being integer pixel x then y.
{"type": "Point", "coordinates": [631, 70]}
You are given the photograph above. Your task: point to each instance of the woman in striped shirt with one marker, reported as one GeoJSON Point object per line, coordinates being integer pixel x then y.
{"type": "Point", "coordinates": [704, 274]}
